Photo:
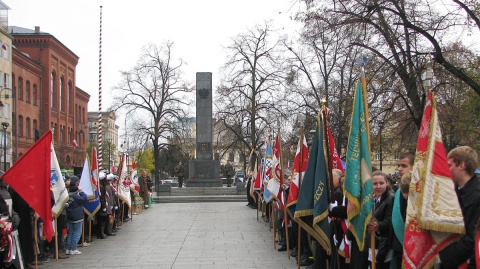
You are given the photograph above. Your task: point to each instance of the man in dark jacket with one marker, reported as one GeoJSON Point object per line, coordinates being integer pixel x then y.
{"type": "Point", "coordinates": [75, 217]}
{"type": "Point", "coordinates": [462, 162]}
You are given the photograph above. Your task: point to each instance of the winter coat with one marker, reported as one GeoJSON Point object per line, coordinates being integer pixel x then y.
{"type": "Point", "coordinates": [75, 206]}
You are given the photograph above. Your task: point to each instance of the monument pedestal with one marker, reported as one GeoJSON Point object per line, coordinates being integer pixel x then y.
{"type": "Point", "coordinates": [204, 173]}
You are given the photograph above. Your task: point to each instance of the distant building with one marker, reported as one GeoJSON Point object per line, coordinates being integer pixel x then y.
{"type": "Point", "coordinates": [45, 96]}
{"type": "Point", "coordinates": [109, 134]}
{"type": "Point", "coordinates": [5, 89]}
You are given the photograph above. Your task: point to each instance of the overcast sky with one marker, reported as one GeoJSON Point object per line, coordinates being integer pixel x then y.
{"type": "Point", "coordinates": [198, 29]}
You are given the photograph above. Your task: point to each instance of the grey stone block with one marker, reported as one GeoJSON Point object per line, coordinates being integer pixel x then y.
{"type": "Point", "coordinates": [164, 190]}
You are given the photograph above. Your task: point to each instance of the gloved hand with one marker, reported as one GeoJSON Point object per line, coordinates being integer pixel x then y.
{"type": "Point", "coordinates": [104, 209]}
{"type": "Point", "coordinates": [335, 240]}
{"type": "Point", "coordinates": [116, 207]}
{"type": "Point", "coordinates": [331, 206]}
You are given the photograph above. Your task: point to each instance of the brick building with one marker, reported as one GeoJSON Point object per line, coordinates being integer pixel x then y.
{"type": "Point", "coordinates": [46, 96]}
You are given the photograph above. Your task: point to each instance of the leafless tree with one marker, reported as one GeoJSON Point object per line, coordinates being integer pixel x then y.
{"type": "Point", "coordinates": [248, 98]}
{"type": "Point", "coordinates": [156, 94]}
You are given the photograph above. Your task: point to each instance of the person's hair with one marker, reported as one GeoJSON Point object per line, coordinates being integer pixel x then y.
{"type": "Point", "coordinates": [380, 173]}
{"type": "Point", "coordinates": [466, 155]}
{"type": "Point", "coordinates": [404, 183]}
{"type": "Point", "coordinates": [408, 155]}
{"type": "Point", "coordinates": [338, 172]}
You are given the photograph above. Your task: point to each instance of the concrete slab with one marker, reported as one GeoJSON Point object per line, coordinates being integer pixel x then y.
{"type": "Point", "coordinates": [196, 235]}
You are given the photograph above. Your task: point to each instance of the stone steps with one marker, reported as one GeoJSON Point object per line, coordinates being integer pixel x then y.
{"type": "Point", "coordinates": [200, 194]}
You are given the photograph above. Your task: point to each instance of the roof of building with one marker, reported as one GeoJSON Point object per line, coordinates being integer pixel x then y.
{"type": "Point", "coordinates": [24, 31]}
{"type": "Point", "coordinates": [4, 6]}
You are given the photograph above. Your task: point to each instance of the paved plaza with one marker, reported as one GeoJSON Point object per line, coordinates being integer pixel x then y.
{"type": "Point", "coordinates": [186, 235]}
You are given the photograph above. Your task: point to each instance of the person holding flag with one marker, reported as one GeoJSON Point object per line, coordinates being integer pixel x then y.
{"type": "Point", "coordinates": [462, 162]}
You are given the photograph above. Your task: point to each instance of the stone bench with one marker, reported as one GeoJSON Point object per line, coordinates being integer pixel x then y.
{"type": "Point", "coordinates": [164, 190]}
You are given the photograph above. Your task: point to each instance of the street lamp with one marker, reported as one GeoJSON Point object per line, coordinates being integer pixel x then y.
{"type": "Point", "coordinates": [5, 126]}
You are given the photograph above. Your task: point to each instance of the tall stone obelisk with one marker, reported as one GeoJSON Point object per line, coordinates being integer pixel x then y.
{"type": "Point", "coordinates": [204, 171]}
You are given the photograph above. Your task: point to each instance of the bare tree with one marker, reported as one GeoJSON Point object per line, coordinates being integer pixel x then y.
{"type": "Point", "coordinates": [155, 92]}
{"type": "Point", "coordinates": [247, 99]}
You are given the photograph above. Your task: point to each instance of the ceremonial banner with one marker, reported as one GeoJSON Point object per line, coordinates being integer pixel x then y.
{"type": "Point", "coordinates": [358, 178]}
{"type": "Point", "coordinates": [268, 174]}
{"type": "Point", "coordinates": [307, 197]}
{"type": "Point", "coordinates": [89, 185]}
{"type": "Point", "coordinates": [322, 189]}
{"type": "Point", "coordinates": [258, 180]}
{"type": "Point", "coordinates": [251, 191]}
{"type": "Point", "coordinates": [298, 172]}
{"type": "Point", "coordinates": [434, 218]}
{"type": "Point", "coordinates": [276, 181]}
{"type": "Point", "coordinates": [60, 192]}
{"type": "Point", "coordinates": [30, 177]}
{"type": "Point", "coordinates": [124, 182]}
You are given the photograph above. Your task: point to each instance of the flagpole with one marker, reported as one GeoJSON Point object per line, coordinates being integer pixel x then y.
{"type": "Point", "coordinates": [299, 184]}
{"type": "Point", "coordinates": [90, 230]}
{"type": "Point", "coordinates": [272, 220]}
{"type": "Point", "coordinates": [56, 239]}
{"type": "Point", "coordinates": [35, 225]}
{"type": "Point", "coordinates": [327, 149]}
{"type": "Point", "coordinates": [365, 101]}
{"type": "Point", "coordinates": [285, 218]}
{"type": "Point", "coordinates": [83, 233]}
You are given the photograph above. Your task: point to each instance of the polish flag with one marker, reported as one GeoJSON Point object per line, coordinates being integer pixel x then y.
{"type": "Point", "coordinates": [74, 143]}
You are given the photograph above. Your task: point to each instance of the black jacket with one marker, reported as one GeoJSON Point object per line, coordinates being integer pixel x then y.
{"type": "Point", "coordinates": [459, 252]}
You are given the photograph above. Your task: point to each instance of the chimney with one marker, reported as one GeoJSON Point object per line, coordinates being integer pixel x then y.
{"type": "Point", "coordinates": [37, 29]}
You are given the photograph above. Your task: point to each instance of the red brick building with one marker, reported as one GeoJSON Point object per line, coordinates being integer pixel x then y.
{"type": "Point", "coordinates": [46, 96]}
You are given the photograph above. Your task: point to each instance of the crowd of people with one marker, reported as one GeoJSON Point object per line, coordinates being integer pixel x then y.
{"type": "Point", "coordinates": [390, 196]}
{"type": "Point", "coordinates": [72, 223]}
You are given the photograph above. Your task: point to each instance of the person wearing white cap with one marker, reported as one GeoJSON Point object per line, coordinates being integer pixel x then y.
{"type": "Point", "coordinates": [105, 211]}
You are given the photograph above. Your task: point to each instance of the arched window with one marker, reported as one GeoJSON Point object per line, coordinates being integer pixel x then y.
{"type": "Point", "coordinates": [70, 98]}
{"type": "Point", "coordinates": [27, 91]}
{"type": "Point", "coordinates": [20, 88]}
{"type": "Point", "coordinates": [34, 94]}
{"type": "Point", "coordinates": [28, 128]}
{"type": "Point", "coordinates": [62, 94]}
{"type": "Point", "coordinates": [35, 127]}
{"type": "Point", "coordinates": [20, 125]}
{"type": "Point", "coordinates": [62, 133]}
{"type": "Point", "coordinates": [52, 89]}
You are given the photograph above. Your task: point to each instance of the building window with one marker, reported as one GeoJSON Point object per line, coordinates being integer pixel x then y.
{"type": "Point", "coordinates": [34, 126]}
{"type": "Point", "coordinates": [6, 80]}
{"type": "Point", "coordinates": [62, 94]}
{"type": "Point", "coordinates": [28, 128]}
{"type": "Point", "coordinates": [20, 88]}
{"type": "Point", "coordinates": [62, 133]}
{"type": "Point", "coordinates": [52, 89]}
{"type": "Point", "coordinates": [34, 94]}
{"type": "Point", "coordinates": [6, 51]}
{"type": "Point", "coordinates": [27, 91]}
{"type": "Point", "coordinates": [20, 125]}
{"type": "Point", "coordinates": [70, 98]}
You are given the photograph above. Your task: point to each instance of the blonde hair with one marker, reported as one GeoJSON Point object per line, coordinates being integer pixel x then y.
{"type": "Point", "coordinates": [404, 183]}
{"type": "Point", "coordinates": [467, 155]}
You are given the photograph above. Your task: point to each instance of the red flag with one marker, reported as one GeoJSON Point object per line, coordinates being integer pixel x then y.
{"type": "Point", "coordinates": [74, 143]}
{"type": "Point", "coordinates": [477, 246]}
{"type": "Point", "coordinates": [336, 161]}
{"type": "Point", "coordinates": [433, 221]}
{"type": "Point", "coordinates": [134, 165]}
{"type": "Point", "coordinates": [299, 167]}
{"type": "Point", "coordinates": [30, 178]}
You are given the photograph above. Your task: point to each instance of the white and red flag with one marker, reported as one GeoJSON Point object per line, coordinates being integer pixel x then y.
{"type": "Point", "coordinates": [124, 182]}
{"type": "Point", "coordinates": [434, 219]}
{"type": "Point", "coordinates": [276, 182]}
{"type": "Point", "coordinates": [299, 167]}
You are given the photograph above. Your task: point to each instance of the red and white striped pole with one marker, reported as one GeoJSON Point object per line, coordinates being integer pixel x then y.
{"type": "Point", "coordinates": [100, 156]}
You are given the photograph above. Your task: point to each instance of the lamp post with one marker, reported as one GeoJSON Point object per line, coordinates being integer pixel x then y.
{"type": "Point", "coordinates": [5, 126]}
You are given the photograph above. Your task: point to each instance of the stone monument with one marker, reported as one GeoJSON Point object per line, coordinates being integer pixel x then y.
{"type": "Point", "coordinates": [204, 171]}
